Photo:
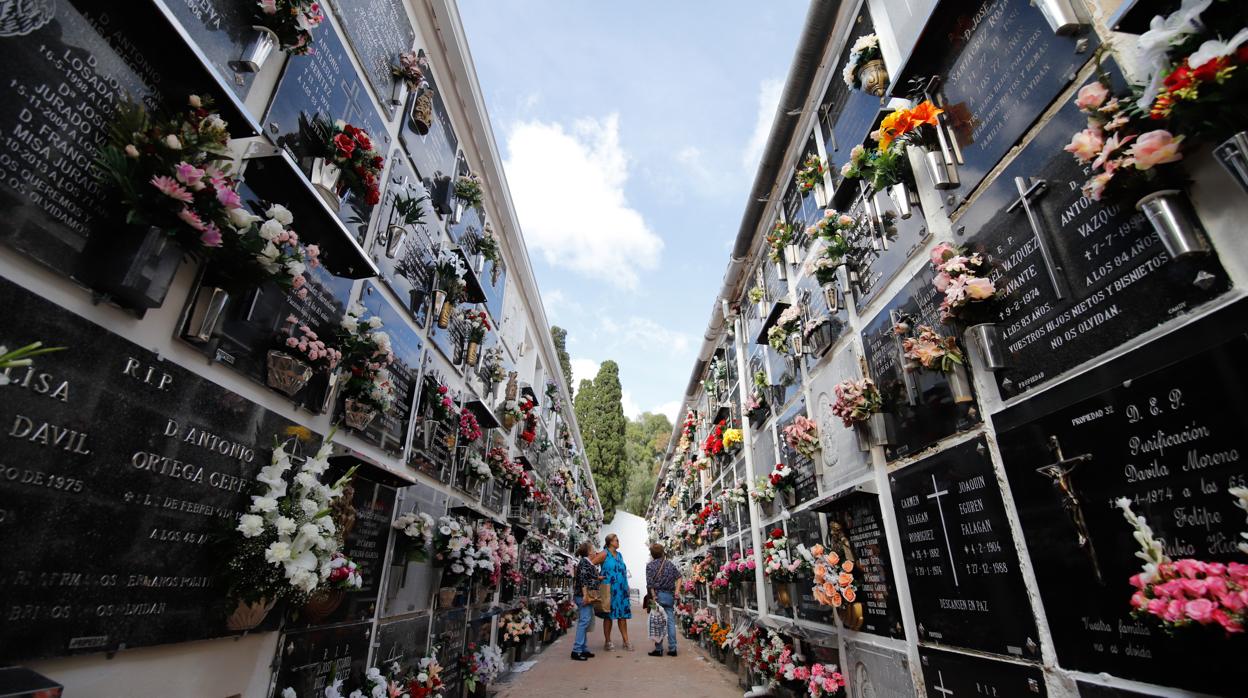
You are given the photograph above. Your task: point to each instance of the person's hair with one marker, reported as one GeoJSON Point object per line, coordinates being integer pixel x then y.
{"type": "Point", "coordinates": [583, 549]}
{"type": "Point", "coordinates": [606, 542]}
{"type": "Point", "coordinates": [656, 551]}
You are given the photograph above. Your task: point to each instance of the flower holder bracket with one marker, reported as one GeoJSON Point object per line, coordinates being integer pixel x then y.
{"type": "Point", "coordinates": [777, 309]}
{"type": "Point", "coordinates": [1028, 191]}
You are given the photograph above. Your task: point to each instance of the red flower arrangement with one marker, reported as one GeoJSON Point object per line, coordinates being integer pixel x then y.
{"type": "Point", "coordinates": [714, 444]}
{"type": "Point", "coordinates": [351, 149]}
{"type": "Point", "coordinates": [469, 429]}
{"type": "Point", "coordinates": [442, 405]}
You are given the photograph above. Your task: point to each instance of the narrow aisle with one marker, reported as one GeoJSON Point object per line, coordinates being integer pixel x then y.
{"type": "Point", "coordinates": [690, 674]}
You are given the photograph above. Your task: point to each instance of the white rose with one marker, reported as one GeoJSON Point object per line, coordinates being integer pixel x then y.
{"type": "Point", "coordinates": [241, 218]}
{"type": "Point", "coordinates": [280, 213]}
{"type": "Point", "coordinates": [374, 322]}
{"type": "Point", "coordinates": [295, 268]}
{"type": "Point", "coordinates": [250, 525]}
{"type": "Point", "coordinates": [271, 229]}
{"type": "Point", "coordinates": [172, 142]}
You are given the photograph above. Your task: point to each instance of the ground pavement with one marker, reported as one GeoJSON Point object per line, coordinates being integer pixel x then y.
{"type": "Point", "coordinates": [690, 674]}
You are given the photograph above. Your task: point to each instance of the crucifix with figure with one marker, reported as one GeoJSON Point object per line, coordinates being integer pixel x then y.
{"type": "Point", "coordinates": [1061, 472]}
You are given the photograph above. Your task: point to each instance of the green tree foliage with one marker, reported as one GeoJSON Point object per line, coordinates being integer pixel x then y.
{"type": "Point", "coordinates": [560, 336]}
{"type": "Point", "coordinates": [645, 442]}
{"type": "Point", "coordinates": [600, 414]}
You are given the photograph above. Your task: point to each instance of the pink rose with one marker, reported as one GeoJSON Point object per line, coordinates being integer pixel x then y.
{"type": "Point", "coordinates": [1157, 607]}
{"type": "Point", "coordinates": [1086, 144]}
{"type": "Point", "coordinates": [1200, 610]}
{"type": "Point", "coordinates": [941, 282]}
{"type": "Point", "coordinates": [292, 342]}
{"type": "Point", "coordinates": [940, 251]}
{"type": "Point", "coordinates": [1228, 623]}
{"type": "Point", "coordinates": [1175, 611]}
{"type": "Point", "coordinates": [1189, 567]}
{"type": "Point", "coordinates": [1094, 188]}
{"type": "Point", "coordinates": [229, 198]}
{"type": "Point", "coordinates": [1112, 144]}
{"type": "Point", "coordinates": [1156, 148]}
{"type": "Point", "coordinates": [980, 289]}
{"type": "Point", "coordinates": [1091, 95]}
{"type": "Point", "coordinates": [1194, 587]}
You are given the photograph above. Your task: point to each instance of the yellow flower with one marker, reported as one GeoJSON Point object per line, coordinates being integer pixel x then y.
{"type": "Point", "coordinates": [300, 432]}
{"type": "Point", "coordinates": [732, 438]}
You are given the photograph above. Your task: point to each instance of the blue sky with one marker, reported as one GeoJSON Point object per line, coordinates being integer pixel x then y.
{"type": "Point", "coordinates": [631, 133]}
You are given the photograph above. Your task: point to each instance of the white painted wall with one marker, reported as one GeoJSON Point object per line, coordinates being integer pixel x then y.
{"type": "Point", "coordinates": [633, 546]}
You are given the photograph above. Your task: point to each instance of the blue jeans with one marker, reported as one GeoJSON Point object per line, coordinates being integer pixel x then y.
{"type": "Point", "coordinates": [582, 624]}
{"type": "Point", "coordinates": [667, 600]}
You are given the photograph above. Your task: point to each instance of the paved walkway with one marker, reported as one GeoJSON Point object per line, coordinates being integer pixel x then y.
{"type": "Point", "coordinates": [690, 674]}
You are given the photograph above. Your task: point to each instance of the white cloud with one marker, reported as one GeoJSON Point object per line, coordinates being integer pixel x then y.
{"type": "Point", "coordinates": [646, 335]}
{"type": "Point", "coordinates": [668, 408]}
{"type": "Point", "coordinates": [583, 369]}
{"type": "Point", "coordinates": [568, 186]}
{"type": "Point", "coordinates": [631, 409]}
{"type": "Point", "coordinates": [768, 100]}
{"type": "Point", "coordinates": [559, 307]}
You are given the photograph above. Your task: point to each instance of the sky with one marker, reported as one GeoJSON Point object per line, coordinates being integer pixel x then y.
{"type": "Point", "coordinates": [631, 133]}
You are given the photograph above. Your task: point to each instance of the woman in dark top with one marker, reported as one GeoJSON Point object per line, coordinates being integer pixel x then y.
{"type": "Point", "coordinates": [587, 577]}
{"type": "Point", "coordinates": [615, 573]}
{"type": "Point", "coordinates": [661, 577]}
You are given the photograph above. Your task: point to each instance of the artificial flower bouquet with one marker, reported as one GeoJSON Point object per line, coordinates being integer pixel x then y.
{"type": "Point", "coordinates": [824, 680]}
{"type": "Point", "coordinates": [865, 49]}
{"type": "Point", "coordinates": [351, 150]}
{"type": "Point", "coordinates": [305, 344]}
{"type": "Point", "coordinates": [783, 561]}
{"type": "Point", "coordinates": [258, 249]}
{"type": "Point", "coordinates": [455, 550]}
{"type": "Point", "coordinates": [449, 272]}
{"type": "Point", "coordinates": [963, 278]}
{"type": "Point", "coordinates": [419, 527]}
{"type": "Point", "coordinates": [736, 495]}
{"type": "Point", "coordinates": [289, 542]}
{"type": "Point", "coordinates": [856, 401]}
{"type": "Point", "coordinates": [802, 435]}
{"type": "Point", "coordinates": [811, 173]}
{"type": "Point", "coordinates": [409, 69]}
{"type": "Point", "coordinates": [482, 665]}
{"type": "Point", "coordinates": [487, 245]}
{"type": "Point", "coordinates": [468, 190]}
{"type": "Point", "coordinates": [880, 168]}
{"type": "Point", "coordinates": [701, 622]}
{"type": "Point", "coordinates": [476, 324]}
{"type": "Point", "coordinates": [425, 681]}
{"type": "Point", "coordinates": [887, 164]}
{"type": "Point", "coordinates": [470, 431]}
{"type": "Point", "coordinates": [780, 236]}
{"type": "Point", "coordinates": [476, 467]}
{"type": "Point", "coordinates": [790, 321]}
{"type": "Point", "coordinates": [930, 349]}
{"type": "Point", "coordinates": [292, 21]}
{"type": "Point", "coordinates": [756, 294]}
{"type": "Point", "coordinates": [834, 578]}
{"type": "Point", "coordinates": [172, 171]}
{"type": "Point", "coordinates": [441, 404]}
{"type": "Point", "coordinates": [763, 491]}
{"type": "Point", "coordinates": [366, 352]}
{"type": "Point", "coordinates": [516, 626]}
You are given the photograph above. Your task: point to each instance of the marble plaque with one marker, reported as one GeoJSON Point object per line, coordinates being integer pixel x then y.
{"type": "Point", "coordinates": [843, 461]}
{"type": "Point", "coordinates": [959, 554]}
{"type": "Point", "coordinates": [1168, 440]}
{"type": "Point", "coordinates": [882, 243]}
{"type": "Point", "coordinates": [876, 672]}
{"type": "Point", "coordinates": [920, 401]}
{"type": "Point", "coordinates": [950, 674]}
{"type": "Point", "coordinates": [325, 83]}
{"type": "Point", "coordinates": [388, 430]}
{"type": "Point", "coordinates": [312, 660]}
{"type": "Point", "coordinates": [807, 528]}
{"type": "Point", "coordinates": [404, 642]}
{"type": "Point", "coordinates": [409, 587]}
{"type": "Point", "coordinates": [405, 254]}
{"type": "Point", "coordinates": [1093, 276]}
{"type": "Point", "coordinates": [856, 533]}
{"type": "Point", "coordinates": [221, 30]}
{"type": "Point", "coordinates": [433, 152]}
{"type": "Point", "coordinates": [378, 30]}
{"type": "Point", "coordinates": [107, 431]}
{"type": "Point", "coordinates": [847, 116]}
{"type": "Point", "coordinates": [450, 629]}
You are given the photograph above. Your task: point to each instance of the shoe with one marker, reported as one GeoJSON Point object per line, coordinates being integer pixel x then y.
{"type": "Point", "coordinates": [588, 655]}
{"type": "Point", "coordinates": [628, 646]}
{"type": "Point", "coordinates": [672, 653]}
{"type": "Point", "coordinates": [655, 653]}
{"type": "Point", "coordinates": [579, 657]}
{"type": "Point", "coordinates": [608, 647]}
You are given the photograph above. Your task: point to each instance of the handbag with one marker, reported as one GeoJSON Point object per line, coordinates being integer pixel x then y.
{"type": "Point", "coordinates": [602, 602]}
{"type": "Point", "coordinates": [589, 595]}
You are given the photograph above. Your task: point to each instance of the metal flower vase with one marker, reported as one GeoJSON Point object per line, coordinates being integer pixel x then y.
{"type": "Point", "coordinates": [358, 415]}
{"type": "Point", "coordinates": [1171, 215]}
{"type": "Point", "coordinates": [206, 314]}
{"type": "Point", "coordinates": [987, 340]}
{"type": "Point", "coordinates": [398, 92]}
{"type": "Point", "coordinates": [439, 302]}
{"type": "Point", "coordinates": [326, 178]}
{"type": "Point", "coordinates": [943, 172]}
{"type": "Point", "coordinates": [395, 236]}
{"type": "Point", "coordinates": [421, 115]}
{"type": "Point", "coordinates": [286, 373]}
{"type": "Point", "coordinates": [445, 314]}
{"type": "Point", "coordinates": [903, 198]}
{"type": "Point", "coordinates": [258, 50]}
{"type": "Point", "coordinates": [960, 384]}
{"type": "Point", "coordinates": [1232, 154]}
{"type": "Point", "coordinates": [1062, 15]}
{"type": "Point", "coordinates": [133, 267]}
{"type": "Point", "coordinates": [877, 430]}
{"type": "Point", "coordinates": [472, 355]}
{"type": "Point", "coordinates": [873, 76]}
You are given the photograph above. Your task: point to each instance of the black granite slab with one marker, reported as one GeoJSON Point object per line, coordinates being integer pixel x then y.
{"type": "Point", "coordinates": [433, 153]}
{"type": "Point", "coordinates": [950, 674]}
{"type": "Point", "coordinates": [388, 430]}
{"type": "Point", "coordinates": [856, 532]}
{"type": "Point", "coordinates": [881, 244]}
{"type": "Point", "coordinates": [406, 254]}
{"type": "Point", "coordinates": [999, 66]}
{"type": "Point", "coordinates": [805, 479]}
{"type": "Point", "coordinates": [325, 83]}
{"type": "Point", "coordinates": [433, 442]}
{"type": "Point", "coordinates": [1109, 279]}
{"type": "Point", "coordinates": [312, 660]}
{"type": "Point", "coordinates": [66, 65]}
{"type": "Point", "coordinates": [846, 116]}
{"type": "Point", "coordinates": [807, 528]}
{"type": "Point", "coordinates": [920, 400]}
{"type": "Point", "coordinates": [1168, 439]}
{"type": "Point", "coordinates": [221, 30]}
{"type": "Point", "coordinates": [403, 642]}
{"type": "Point", "coordinates": [107, 431]}
{"type": "Point", "coordinates": [1092, 690]}
{"type": "Point", "coordinates": [449, 632]}
{"type": "Point", "coordinates": [959, 554]}
{"type": "Point", "coordinates": [814, 300]}
{"type": "Point", "coordinates": [378, 30]}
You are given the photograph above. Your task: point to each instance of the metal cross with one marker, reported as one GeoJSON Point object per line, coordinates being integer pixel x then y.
{"type": "Point", "coordinates": [941, 688]}
{"type": "Point", "coordinates": [1029, 191]}
{"type": "Point", "coordinates": [936, 494]}
{"type": "Point", "coordinates": [1060, 473]}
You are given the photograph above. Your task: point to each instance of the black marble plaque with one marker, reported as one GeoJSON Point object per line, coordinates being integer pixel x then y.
{"type": "Point", "coordinates": [449, 635]}
{"type": "Point", "coordinates": [950, 674]}
{"type": "Point", "coordinates": [433, 444]}
{"type": "Point", "coordinates": [378, 31]}
{"type": "Point", "coordinates": [805, 481]}
{"type": "Point", "coordinates": [959, 555]}
{"type": "Point", "coordinates": [325, 83]}
{"type": "Point", "coordinates": [221, 30]}
{"type": "Point", "coordinates": [882, 243]}
{"type": "Point", "coordinates": [120, 474]}
{"type": "Point", "coordinates": [433, 153]}
{"type": "Point", "coordinates": [815, 301]}
{"type": "Point", "coordinates": [66, 65]}
{"type": "Point", "coordinates": [1110, 279]}
{"type": "Point", "coordinates": [1000, 66]}
{"type": "Point", "coordinates": [807, 528]}
{"type": "Point", "coordinates": [856, 532]}
{"type": "Point", "coordinates": [920, 400]}
{"type": "Point", "coordinates": [409, 586]}
{"type": "Point", "coordinates": [405, 254]}
{"type": "Point", "coordinates": [388, 430]}
{"type": "Point", "coordinates": [1093, 690]}
{"type": "Point", "coordinates": [1170, 441]}
{"type": "Point", "coordinates": [313, 660]}
{"type": "Point", "coordinates": [451, 341]}
{"type": "Point", "coordinates": [847, 116]}
{"type": "Point", "coordinates": [403, 642]}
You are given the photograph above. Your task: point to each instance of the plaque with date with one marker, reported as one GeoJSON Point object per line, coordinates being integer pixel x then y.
{"type": "Point", "coordinates": [949, 674]}
{"type": "Point", "coordinates": [959, 554]}
{"type": "Point", "coordinates": [1170, 441]}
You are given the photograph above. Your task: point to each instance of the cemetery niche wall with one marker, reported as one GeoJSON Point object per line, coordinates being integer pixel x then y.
{"type": "Point", "coordinates": [295, 301]}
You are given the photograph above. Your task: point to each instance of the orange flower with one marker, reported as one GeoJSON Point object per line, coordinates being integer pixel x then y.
{"type": "Point", "coordinates": [836, 600]}
{"type": "Point", "coordinates": [833, 558]}
{"type": "Point", "coordinates": [848, 566]}
{"type": "Point", "coordinates": [850, 595]}
{"type": "Point", "coordinates": [845, 580]}
{"type": "Point", "coordinates": [894, 125]}
{"type": "Point", "coordinates": [925, 113]}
